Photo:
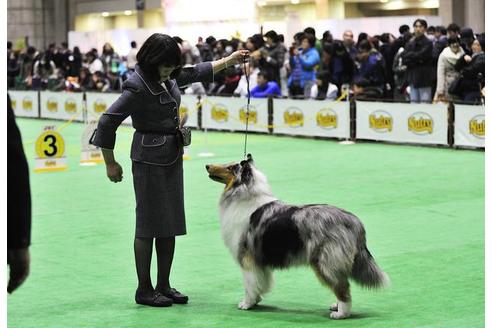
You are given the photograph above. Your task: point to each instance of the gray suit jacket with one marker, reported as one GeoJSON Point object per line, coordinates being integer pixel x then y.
{"type": "Point", "coordinates": [154, 112]}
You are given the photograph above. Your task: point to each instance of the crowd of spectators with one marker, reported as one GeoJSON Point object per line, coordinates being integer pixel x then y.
{"type": "Point", "coordinates": [422, 64]}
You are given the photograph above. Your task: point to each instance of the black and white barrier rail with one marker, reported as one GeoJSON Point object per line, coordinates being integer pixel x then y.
{"type": "Point", "coordinates": [454, 125]}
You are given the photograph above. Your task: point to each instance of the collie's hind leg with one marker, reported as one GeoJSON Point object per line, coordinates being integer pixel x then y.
{"type": "Point", "coordinates": [339, 284]}
{"type": "Point", "coordinates": [256, 283]}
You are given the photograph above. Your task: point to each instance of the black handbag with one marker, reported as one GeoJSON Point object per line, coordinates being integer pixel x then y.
{"type": "Point", "coordinates": [184, 134]}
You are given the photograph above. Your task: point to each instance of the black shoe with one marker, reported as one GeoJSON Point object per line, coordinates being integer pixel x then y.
{"type": "Point", "coordinates": [176, 296]}
{"type": "Point", "coordinates": [152, 298]}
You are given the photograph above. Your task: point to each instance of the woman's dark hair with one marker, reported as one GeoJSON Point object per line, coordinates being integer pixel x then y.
{"type": "Point", "coordinates": [311, 39]}
{"type": "Point", "coordinates": [453, 27]}
{"type": "Point", "coordinates": [404, 29]}
{"type": "Point", "coordinates": [452, 40]}
{"type": "Point", "coordinates": [365, 46]}
{"type": "Point", "coordinates": [272, 35]}
{"type": "Point", "coordinates": [76, 51]}
{"type": "Point", "coordinates": [339, 48]}
{"type": "Point", "coordinates": [361, 37]}
{"type": "Point", "coordinates": [257, 40]}
{"type": "Point", "coordinates": [159, 49]}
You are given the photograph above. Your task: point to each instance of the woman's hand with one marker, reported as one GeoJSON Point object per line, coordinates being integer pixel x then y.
{"type": "Point", "coordinates": [114, 172]}
{"type": "Point", "coordinates": [237, 57]}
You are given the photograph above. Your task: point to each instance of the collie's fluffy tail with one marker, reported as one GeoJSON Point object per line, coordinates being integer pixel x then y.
{"type": "Point", "coordinates": [366, 272]}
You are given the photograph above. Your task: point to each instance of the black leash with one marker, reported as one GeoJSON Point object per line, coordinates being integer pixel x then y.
{"type": "Point", "coordinates": [247, 109]}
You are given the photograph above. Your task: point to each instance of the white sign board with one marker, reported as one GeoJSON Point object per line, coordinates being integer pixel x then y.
{"type": "Point", "coordinates": [398, 122]}
{"type": "Point", "coordinates": [189, 106]}
{"type": "Point", "coordinates": [227, 113]}
{"type": "Point", "coordinates": [469, 125]}
{"type": "Point", "coordinates": [98, 103]}
{"type": "Point", "coordinates": [311, 118]}
{"type": "Point", "coordinates": [62, 105]}
{"type": "Point", "coordinates": [24, 103]}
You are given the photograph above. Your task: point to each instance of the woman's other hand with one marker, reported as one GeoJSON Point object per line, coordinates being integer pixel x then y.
{"type": "Point", "coordinates": [237, 57]}
{"type": "Point", "coordinates": [114, 172]}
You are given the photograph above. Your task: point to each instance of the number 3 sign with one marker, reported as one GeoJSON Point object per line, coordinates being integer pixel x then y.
{"type": "Point", "coordinates": [50, 151]}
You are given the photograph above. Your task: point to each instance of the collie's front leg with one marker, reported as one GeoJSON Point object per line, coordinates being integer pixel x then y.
{"type": "Point", "coordinates": [256, 283]}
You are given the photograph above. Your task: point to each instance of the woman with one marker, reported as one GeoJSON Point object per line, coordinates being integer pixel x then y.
{"type": "Point", "coordinates": [303, 63]}
{"type": "Point", "coordinates": [446, 72]}
{"type": "Point", "coordinates": [472, 69]}
{"type": "Point", "coordinates": [151, 96]}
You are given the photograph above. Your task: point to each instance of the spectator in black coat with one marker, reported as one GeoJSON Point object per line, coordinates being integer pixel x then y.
{"type": "Point", "coordinates": [467, 37]}
{"type": "Point", "coordinates": [348, 42]}
{"type": "Point", "coordinates": [13, 66]}
{"type": "Point", "coordinates": [472, 69]}
{"type": "Point", "coordinates": [18, 205]}
{"type": "Point", "coordinates": [271, 56]}
{"type": "Point", "coordinates": [342, 66]}
{"type": "Point", "coordinates": [418, 59]}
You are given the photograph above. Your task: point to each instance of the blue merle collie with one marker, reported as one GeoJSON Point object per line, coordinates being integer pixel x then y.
{"type": "Point", "coordinates": [263, 234]}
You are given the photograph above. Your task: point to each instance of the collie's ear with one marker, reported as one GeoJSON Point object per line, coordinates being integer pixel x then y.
{"type": "Point", "coordinates": [249, 158]}
{"type": "Point", "coordinates": [247, 172]}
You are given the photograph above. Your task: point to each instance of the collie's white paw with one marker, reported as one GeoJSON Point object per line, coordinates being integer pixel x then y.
{"type": "Point", "coordinates": [334, 307]}
{"type": "Point", "coordinates": [245, 305]}
{"type": "Point", "coordinates": [339, 315]}
{"type": "Point", "coordinates": [342, 310]}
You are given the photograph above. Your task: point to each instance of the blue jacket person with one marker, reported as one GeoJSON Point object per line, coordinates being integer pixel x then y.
{"type": "Point", "coordinates": [151, 97]}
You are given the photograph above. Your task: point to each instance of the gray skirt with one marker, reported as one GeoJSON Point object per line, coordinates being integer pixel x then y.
{"type": "Point", "coordinates": [160, 200]}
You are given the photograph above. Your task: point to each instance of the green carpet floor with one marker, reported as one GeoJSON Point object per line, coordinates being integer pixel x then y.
{"type": "Point", "coordinates": [423, 209]}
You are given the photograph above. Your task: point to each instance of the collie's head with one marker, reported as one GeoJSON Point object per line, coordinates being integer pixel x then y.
{"type": "Point", "coordinates": [240, 178]}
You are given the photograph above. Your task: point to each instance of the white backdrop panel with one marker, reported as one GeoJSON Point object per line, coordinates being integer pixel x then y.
{"type": "Point", "coordinates": [226, 113]}
{"type": "Point", "coordinates": [414, 123]}
{"type": "Point", "coordinates": [469, 125]}
{"type": "Point", "coordinates": [98, 103]}
{"type": "Point", "coordinates": [62, 105]}
{"type": "Point", "coordinates": [24, 103]}
{"type": "Point", "coordinates": [188, 105]}
{"type": "Point", "coordinates": [311, 118]}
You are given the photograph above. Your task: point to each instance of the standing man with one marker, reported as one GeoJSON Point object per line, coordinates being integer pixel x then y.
{"type": "Point", "coordinates": [348, 42]}
{"type": "Point", "coordinates": [418, 59]}
{"type": "Point", "coordinates": [18, 205]}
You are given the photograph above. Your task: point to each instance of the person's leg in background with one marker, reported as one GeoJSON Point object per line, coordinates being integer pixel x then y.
{"type": "Point", "coordinates": [425, 94]}
{"type": "Point", "coordinates": [414, 95]}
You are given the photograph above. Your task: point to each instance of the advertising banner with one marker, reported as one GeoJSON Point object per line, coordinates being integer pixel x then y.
{"type": "Point", "coordinates": [398, 122]}
{"type": "Point", "coordinates": [469, 125]}
{"type": "Point", "coordinates": [226, 113]}
{"type": "Point", "coordinates": [98, 103]}
{"type": "Point", "coordinates": [24, 103]}
{"type": "Point", "coordinates": [62, 105]}
{"type": "Point", "coordinates": [311, 118]}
